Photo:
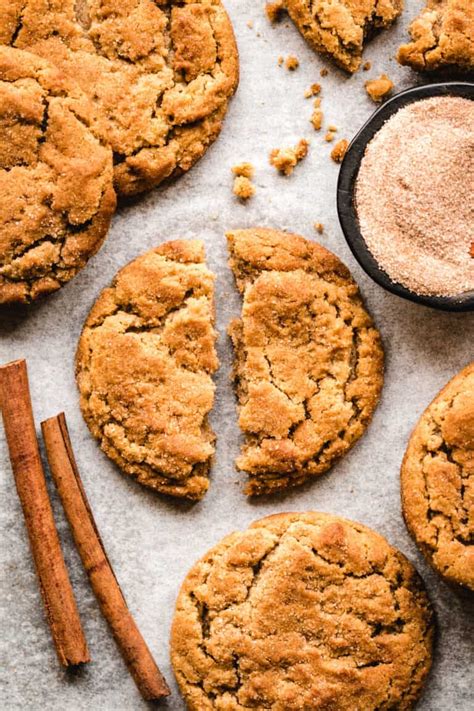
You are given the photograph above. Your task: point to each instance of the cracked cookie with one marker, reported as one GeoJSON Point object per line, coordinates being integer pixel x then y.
{"type": "Point", "coordinates": [302, 611]}
{"type": "Point", "coordinates": [56, 190]}
{"type": "Point", "coordinates": [159, 74]}
{"type": "Point", "coordinates": [442, 35]}
{"type": "Point", "coordinates": [339, 28]}
{"type": "Point", "coordinates": [437, 481]}
{"type": "Point", "coordinates": [144, 365]}
{"type": "Point", "coordinates": [308, 360]}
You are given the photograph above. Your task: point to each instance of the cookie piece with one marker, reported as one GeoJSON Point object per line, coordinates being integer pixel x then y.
{"type": "Point", "coordinates": [57, 197]}
{"type": "Point", "coordinates": [339, 28]}
{"type": "Point", "coordinates": [308, 360]}
{"type": "Point", "coordinates": [144, 365]}
{"type": "Point", "coordinates": [302, 611]}
{"type": "Point", "coordinates": [442, 35]}
{"type": "Point", "coordinates": [437, 481]}
{"type": "Point", "coordinates": [158, 73]}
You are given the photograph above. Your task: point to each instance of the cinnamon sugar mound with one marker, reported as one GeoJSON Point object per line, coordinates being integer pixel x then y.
{"type": "Point", "coordinates": [414, 196]}
{"type": "Point", "coordinates": [285, 159]}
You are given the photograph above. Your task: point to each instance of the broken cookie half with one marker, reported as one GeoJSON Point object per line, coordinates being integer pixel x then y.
{"type": "Point", "coordinates": [144, 369]}
{"type": "Point", "coordinates": [339, 28]}
{"type": "Point", "coordinates": [308, 359]}
{"type": "Point", "coordinates": [442, 35]}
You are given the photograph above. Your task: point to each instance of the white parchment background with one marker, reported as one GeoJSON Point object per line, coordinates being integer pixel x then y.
{"type": "Point", "coordinates": [152, 542]}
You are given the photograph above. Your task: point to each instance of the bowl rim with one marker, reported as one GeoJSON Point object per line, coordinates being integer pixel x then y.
{"type": "Point", "coordinates": [346, 184]}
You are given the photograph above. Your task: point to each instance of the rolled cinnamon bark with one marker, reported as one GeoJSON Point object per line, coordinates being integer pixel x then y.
{"type": "Point", "coordinates": [136, 654]}
{"type": "Point", "coordinates": [55, 586]}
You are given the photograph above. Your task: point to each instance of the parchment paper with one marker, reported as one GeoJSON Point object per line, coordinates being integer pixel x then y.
{"type": "Point", "coordinates": [152, 542]}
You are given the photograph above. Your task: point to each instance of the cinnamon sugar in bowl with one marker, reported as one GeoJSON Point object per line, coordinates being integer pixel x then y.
{"type": "Point", "coordinates": [406, 195]}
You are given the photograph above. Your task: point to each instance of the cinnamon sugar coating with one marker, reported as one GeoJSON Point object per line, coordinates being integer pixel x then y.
{"type": "Point", "coordinates": [159, 74]}
{"type": "Point", "coordinates": [437, 480]}
{"type": "Point", "coordinates": [419, 221]}
{"type": "Point", "coordinates": [302, 611]}
{"type": "Point", "coordinates": [57, 197]}
{"type": "Point", "coordinates": [144, 365]}
{"type": "Point", "coordinates": [443, 34]}
{"type": "Point", "coordinates": [339, 28]}
{"type": "Point", "coordinates": [308, 360]}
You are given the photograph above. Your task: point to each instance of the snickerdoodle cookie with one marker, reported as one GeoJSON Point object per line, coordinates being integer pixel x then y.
{"type": "Point", "coordinates": [159, 74]}
{"type": "Point", "coordinates": [437, 480]}
{"type": "Point", "coordinates": [308, 360]}
{"type": "Point", "coordinates": [302, 611]}
{"type": "Point", "coordinates": [56, 188]}
{"type": "Point", "coordinates": [442, 35]}
{"type": "Point", "coordinates": [339, 28]}
{"type": "Point", "coordinates": [144, 365]}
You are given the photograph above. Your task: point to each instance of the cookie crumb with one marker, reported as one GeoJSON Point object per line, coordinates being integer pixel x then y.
{"type": "Point", "coordinates": [285, 159]}
{"type": "Point", "coordinates": [317, 103]}
{"type": "Point", "coordinates": [292, 62]}
{"type": "Point", "coordinates": [317, 119]}
{"type": "Point", "coordinates": [250, 24]}
{"type": "Point", "coordinates": [366, 66]}
{"type": "Point", "coordinates": [313, 90]}
{"type": "Point", "coordinates": [244, 170]}
{"type": "Point", "coordinates": [329, 136]}
{"type": "Point", "coordinates": [280, 60]}
{"type": "Point", "coordinates": [332, 128]}
{"type": "Point", "coordinates": [243, 188]}
{"type": "Point", "coordinates": [339, 150]}
{"type": "Point", "coordinates": [324, 72]}
{"type": "Point", "coordinates": [379, 89]}
{"type": "Point", "coordinates": [274, 10]}
{"type": "Point", "coordinates": [319, 227]}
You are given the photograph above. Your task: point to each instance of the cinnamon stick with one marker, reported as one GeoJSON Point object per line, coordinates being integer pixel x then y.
{"type": "Point", "coordinates": [137, 656]}
{"type": "Point", "coordinates": [56, 590]}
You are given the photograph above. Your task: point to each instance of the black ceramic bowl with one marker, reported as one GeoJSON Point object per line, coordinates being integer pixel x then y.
{"type": "Point", "coordinates": [346, 203]}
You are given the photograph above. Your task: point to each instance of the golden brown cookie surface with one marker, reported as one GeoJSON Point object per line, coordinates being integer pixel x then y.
{"type": "Point", "coordinates": [443, 34]}
{"type": "Point", "coordinates": [308, 360]}
{"type": "Point", "coordinates": [339, 28]}
{"type": "Point", "coordinates": [144, 365]}
{"type": "Point", "coordinates": [56, 190]}
{"type": "Point", "coordinates": [158, 73]}
{"type": "Point", "coordinates": [437, 480]}
{"type": "Point", "coordinates": [302, 611]}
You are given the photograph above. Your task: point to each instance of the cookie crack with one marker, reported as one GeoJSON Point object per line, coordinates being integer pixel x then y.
{"type": "Point", "coordinates": [19, 25]}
